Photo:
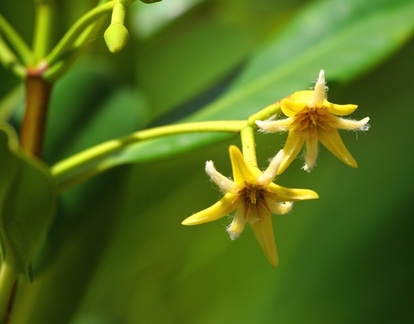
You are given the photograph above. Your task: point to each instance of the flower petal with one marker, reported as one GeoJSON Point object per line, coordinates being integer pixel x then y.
{"type": "Point", "coordinates": [291, 107]}
{"type": "Point", "coordinates": [272, 126]}
{"type": "Point", "coordinates": [293, 145]}
{"type": "Point", "coordinates": [319, 92]}
{"type": "Point", "coordinates": [279, 193]}
{"type": "Point", "coordinates": [351, 124]}
{"type": "Point", "coordinates": [263, 230]}
{"type": "Point", "coordinates": [270, 173]}
{"type": "Point", "coordinates": [220, 209]}
{"type": "Point", "coordinates": [311, 153]}
{"type": "Point", "coordinates": [340, 110]}
{"type": "Point", "coordinates": [278, 208]}
{"type": "Point", "coordinates": [220, 180]}
{"type": "Point", "coordinates": [238, 223]}
{"type": "Point", "coordinates": [303, 96]}
{"type": "Point", "coordinates": [242, 173]}
{"type": "Point", "coordinates": [333, 142]}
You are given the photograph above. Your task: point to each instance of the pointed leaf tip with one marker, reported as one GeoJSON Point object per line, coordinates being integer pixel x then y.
{"type": "Point", "coordinates": [27, 203]}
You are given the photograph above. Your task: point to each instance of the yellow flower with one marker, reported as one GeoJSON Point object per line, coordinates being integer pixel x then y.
{"type": "Point", "coordinates": [311, 118]}
{"type": "Point", "coordinates": [254, 197]}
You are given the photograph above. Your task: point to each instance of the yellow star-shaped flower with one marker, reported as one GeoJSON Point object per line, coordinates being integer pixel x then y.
{"type": "Point", "coordinates": [254, 196]}
{"type": "Point", "coordinates": [311, 118]}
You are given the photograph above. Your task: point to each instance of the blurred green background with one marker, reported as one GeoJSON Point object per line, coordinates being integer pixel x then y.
{"type": "Point", "coordinates": [118, 254]}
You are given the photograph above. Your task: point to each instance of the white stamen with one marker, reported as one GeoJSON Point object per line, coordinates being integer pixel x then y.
{"type": "Point", "coordinates": [319, 93]}
{"type": "Point", "coordinates": [220, 180]}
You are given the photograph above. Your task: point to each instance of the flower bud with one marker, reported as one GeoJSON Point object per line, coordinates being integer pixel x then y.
{"type": "Point", "coordinates": [116, 37]}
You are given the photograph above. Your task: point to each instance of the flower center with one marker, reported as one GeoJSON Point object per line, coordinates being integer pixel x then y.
{"type": "Point", "coordinates": [310, 119]}
{"type": "Point", "coordinates": [252, 194]}
{"type": "Point", "coordinates": [254, 202]}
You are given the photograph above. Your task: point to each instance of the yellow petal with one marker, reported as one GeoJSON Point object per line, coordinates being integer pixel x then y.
{"type": "Point", "coordinates": [302, 96]}
{"type": "Point", "coordinates": [290, 107]}
{"type": "Point", "coordinates": [242, 173]}
{"type": "Point", "coordinates": [340, 110]}
{"type": "Point", "coordinates": [220, 209]}
{"type": "Point", "coordinates": [333, 142]}
{"type": "Point", "coordinates": [293, 145]}
{"type": "Point", "coordinates": [263, 230]}
{"type": "Point", "coordinates": [279, 193]}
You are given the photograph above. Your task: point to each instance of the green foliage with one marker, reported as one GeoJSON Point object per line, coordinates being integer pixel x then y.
{"type": "Point", "coordinates": [27, 201]}
{"type": "Point", "coordinates": [117, 252]}
{"type": "Point", "coordinates": [345, 45]}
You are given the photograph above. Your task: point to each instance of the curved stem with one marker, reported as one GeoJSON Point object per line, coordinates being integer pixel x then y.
{"type": "Point", "coordinates": [249, 145]}
{"type": "Point", "coordinates": [76, 30]}
{"type": "Point", "coordinates": [265, 113]}
{"type": "Point", "coordinates": [71, 54]}
{"type": "Point", "coordinates": [109, 147]}
{"type": "Point", "coordinates": [19, 45]}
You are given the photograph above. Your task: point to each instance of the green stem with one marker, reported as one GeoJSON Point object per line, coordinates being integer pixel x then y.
{"type": "Point", "coordinates": [65, 60]}
{"type": "Point", "coordinates": [249, 145]}
{"type": "Point", "coordinates": [265, 113]}
{"type": "Point", "coordinates": [11, 61]}
{"type": "Point", "coordinates": [61, 66]}
{"type": "Point", "coordinates": [16, 42]}
{"type": "Point", "coordinates": [8, 280]}
{"type": "Point", "coordinates": [109, 147]}
{"type": "Point", "coordinates": [76, 30]}
{"type": "Point", "coordinates": [45, 14]}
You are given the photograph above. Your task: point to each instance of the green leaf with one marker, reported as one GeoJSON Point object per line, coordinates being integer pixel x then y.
{"type": "Point", "coordinates": [27, 203]}
{"type": "Point", "coordinates": [344, 46]}
{"type": "Point", "coordinates": [187, 64]}
{"type": "Point", "coordinates": [345, 40]}
{"type": "Point", "coordinates": [10, 102]}
{"type": "Point", "coordinates": [201, 48]}
{"type": "Point", "coordinates": [345, 258]}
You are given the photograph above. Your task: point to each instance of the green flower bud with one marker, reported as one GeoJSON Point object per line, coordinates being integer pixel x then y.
{"type": "Point", "coordinates": [116, 37]}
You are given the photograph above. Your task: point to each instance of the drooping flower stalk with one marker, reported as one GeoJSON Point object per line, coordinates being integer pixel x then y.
{"type": "Point", "coordinates": [254, 198]}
